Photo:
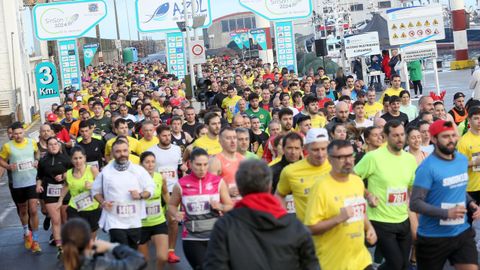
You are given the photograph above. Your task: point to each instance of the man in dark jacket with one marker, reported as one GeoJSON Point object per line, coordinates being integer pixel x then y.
{"type": "Point", "coordinates": [258, 233]}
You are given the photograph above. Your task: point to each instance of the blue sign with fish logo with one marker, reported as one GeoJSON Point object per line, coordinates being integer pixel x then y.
{"type": "Point", "coordinates": [163, 15]}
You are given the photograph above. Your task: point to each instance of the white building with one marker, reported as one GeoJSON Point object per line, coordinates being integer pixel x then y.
{"type": "Point", "coordinates": [17, 63]}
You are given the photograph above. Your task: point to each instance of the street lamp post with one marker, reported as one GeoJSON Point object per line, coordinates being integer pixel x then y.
{"type": "Point", "coordinates": [187, 33]}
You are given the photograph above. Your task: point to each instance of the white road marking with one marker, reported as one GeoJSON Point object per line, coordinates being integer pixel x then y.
{"type": "Point", "coordinates": [5, 213]}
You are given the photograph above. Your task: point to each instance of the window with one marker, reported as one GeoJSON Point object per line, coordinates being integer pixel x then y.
{"type": "Point", "coordinates": [356, 7]}
{"type": "Point", "coordinates": [384, 4]}
{"type": "Point", "coordinates": [225, 27]}
{"type": "Point", "coordinates": [240, 23]}
{"type": "Point", "coordinates": [232, 25]}
{"type": "Point", "coordinates": [254, 23]}
{"type": "Point", "coordinates": [248, 23]}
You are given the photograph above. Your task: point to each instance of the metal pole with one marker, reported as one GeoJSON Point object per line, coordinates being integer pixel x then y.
{"type": "Point", "coordinates": [190, 63]}
{"type": "Point", "coordinates": [435, 72]}
{"type": "Point", "coordinates": [195, 35]}
{"type": "Point", "coordinates": [118, 31]}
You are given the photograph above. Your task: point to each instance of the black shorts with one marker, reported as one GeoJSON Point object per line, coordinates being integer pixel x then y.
{"type": "Point", "coordinates": [48, 199]}
{"type": "Point", "coordinates": [21, 195]}
{"type": "Point", "coordinates": [130, 237]}
{"type": "Point", "coordinates": [433, 252]}
{"type": "Point", "coordinates": [92, 217]}
{"type": "Point", "coordinates": [67, 198]}
{"type": "Point", "coordinates": [148, 232]}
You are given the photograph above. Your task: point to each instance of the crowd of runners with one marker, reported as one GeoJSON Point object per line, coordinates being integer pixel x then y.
{"type": "Point", "coordinates": [276, 171]}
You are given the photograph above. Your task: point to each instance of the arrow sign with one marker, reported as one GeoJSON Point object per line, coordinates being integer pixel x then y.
{"type": "Point", "coordinates": [64, 20]}
{"type": "Point", "coordinates": [279, 10]}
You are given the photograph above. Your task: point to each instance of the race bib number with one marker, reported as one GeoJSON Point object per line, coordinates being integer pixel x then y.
{"type": "Point", "coordinates": [169, 174]}
{"type": "Point", "coordinates": [25, 165]}
{"type": "Point", "coordinates": [396, 196]}
{"type": "Point", "coordinates": [153, 208]}
{"type": "Point", "coordinates": [93, 164]}
{"type": "Point", "coordinates": [198, 205]}
{"type": "Point", "coordinates": [125, 210]}
{"type": "Point", "coordinates": [54, 190]}
{"type": "Point", "coordinates": [359, 206]}
{"type": "Point", "coordinates": [450, 221]}
{"type": "Point", "coordinates": [290, 204]}
{"type": "Point", "coordinates": [83, 200]}
{"type": "Point", "coordinates": [475, 156]}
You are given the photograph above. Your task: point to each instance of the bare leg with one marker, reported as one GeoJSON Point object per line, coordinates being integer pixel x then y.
{"type": "Point", "coordinates": [54, 214]}
{"type": "Point", "coordinates": [161, 249]}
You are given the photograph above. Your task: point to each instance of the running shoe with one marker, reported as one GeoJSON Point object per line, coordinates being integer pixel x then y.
{"type": "Point", "coordinates": [51, 241]}
{"type": "Point", "coordinates": [27, 239]}
{"type": "Point", "coordinates": [36, 247]}
{"type": "Point", "coordinates": [59, 253]}
{"type": "Point", "coordinates": [46, 223]}
{"type": "Point", "coordinates": [172, 257]}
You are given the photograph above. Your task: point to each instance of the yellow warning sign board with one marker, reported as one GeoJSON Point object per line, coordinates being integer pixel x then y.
{"type": "Point", "coordinates": [427, 23]}
{"type": "Point", "coordinates": [394, 26]}
{"type": "Point", "coordinates": [419, 24]}
{"type": "Point", "coordinates": [435, 22]}
{"type": "Point", "coordinates": [395, 36]}
{"type": "Point", "coordinates": [402, 26]}
{"type": "Point", "coordinates": [410, 25]}
{"type": "Point", "coordinates": [404, 35]}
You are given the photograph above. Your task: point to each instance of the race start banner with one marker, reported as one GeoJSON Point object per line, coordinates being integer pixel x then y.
{"type": "Point", "coordinates": [89, 51]}
{"type": "Point", "coordinates": [285, 45]}
{"type": "Point", "coordinates": [177, 62]}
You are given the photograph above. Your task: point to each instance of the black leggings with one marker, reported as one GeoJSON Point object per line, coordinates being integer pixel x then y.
{"type": "Point", "coordinates": [195, 252]}
{"type": "Point", "coordinates": [417, 87]}
{"type": "Point", "coordinates": [394, 242]}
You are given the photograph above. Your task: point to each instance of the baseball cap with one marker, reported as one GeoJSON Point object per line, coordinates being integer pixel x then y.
{"type": "Point", "coordinates": [52, 117]}
{"type": "Point", "coordinates": [316, 135]}
{"type": "Point", "coordinates": [440, 126]}
{"type": "Point", "coordinates": [458, 95]}
{"type": "Point", "coordinates": [79, 98]}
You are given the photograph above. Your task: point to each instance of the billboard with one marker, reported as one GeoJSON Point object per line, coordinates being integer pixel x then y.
{"type": "Point", "coordinates": [163, 15]}
{"type": "Point", "coordinates": [279, 10]}
{"type": "Point", "coordinates": [65, 20]}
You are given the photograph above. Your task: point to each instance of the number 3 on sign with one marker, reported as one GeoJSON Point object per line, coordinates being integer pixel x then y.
{"type": "Point", "coordinates": [46, 71]}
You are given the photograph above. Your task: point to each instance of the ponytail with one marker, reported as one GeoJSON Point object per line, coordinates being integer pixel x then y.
{"type": "Point", "coordinates": [71, 257]}
{"type": "Point", "coordinates": [76, 235]}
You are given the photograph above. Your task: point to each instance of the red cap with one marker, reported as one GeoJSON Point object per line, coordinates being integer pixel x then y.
{"type": "Point", "coordinates": [52, 117]}
{"type": "Point", "coordinates": [440, 126]}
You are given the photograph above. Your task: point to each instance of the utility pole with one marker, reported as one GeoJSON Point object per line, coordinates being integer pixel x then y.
{"type": "Point", "coordinates": [195, 34]}
{"type": "Point", "coordinates": [118, 43]}
{"type": "Point", "coordinates": [187, 33]}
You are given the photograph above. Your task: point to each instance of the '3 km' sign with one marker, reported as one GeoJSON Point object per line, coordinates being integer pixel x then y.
{"type": "Point", "coordinates": [47, 87]}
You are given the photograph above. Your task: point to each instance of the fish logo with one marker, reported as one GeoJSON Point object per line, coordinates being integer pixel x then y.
{"type": "Point", "coordinates": [160, 13]}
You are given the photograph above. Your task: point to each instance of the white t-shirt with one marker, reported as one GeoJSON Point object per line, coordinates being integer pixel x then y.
{"type": "Point", "coordinates": [115, 186]}
{"type": "Point", "coordinates": [366, 123]}
{"type": "Point", "coordinates": [168, 161]}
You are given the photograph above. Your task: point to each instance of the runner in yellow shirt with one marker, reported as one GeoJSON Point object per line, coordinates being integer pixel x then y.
{"type": "Point", "coordinates": [149, 139]}
{"type": "Point", "coordinates": [121, 128]}
{"type": "Point", "coordinates": [395, 89]}
{"type": "Point", "coordinates": [299, 177]}
{"type": "Point", "coordinates": [210, 142]}
{"type": "Point", "coordinates": [469, 145]}
{"type": "Point", "coordinates": [336, 214]}
{"type": "Point", "coordinates": [229, 103]}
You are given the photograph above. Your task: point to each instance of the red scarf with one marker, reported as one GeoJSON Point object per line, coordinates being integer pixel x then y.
{"type": "Point", "coordinates": [264, 202]}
